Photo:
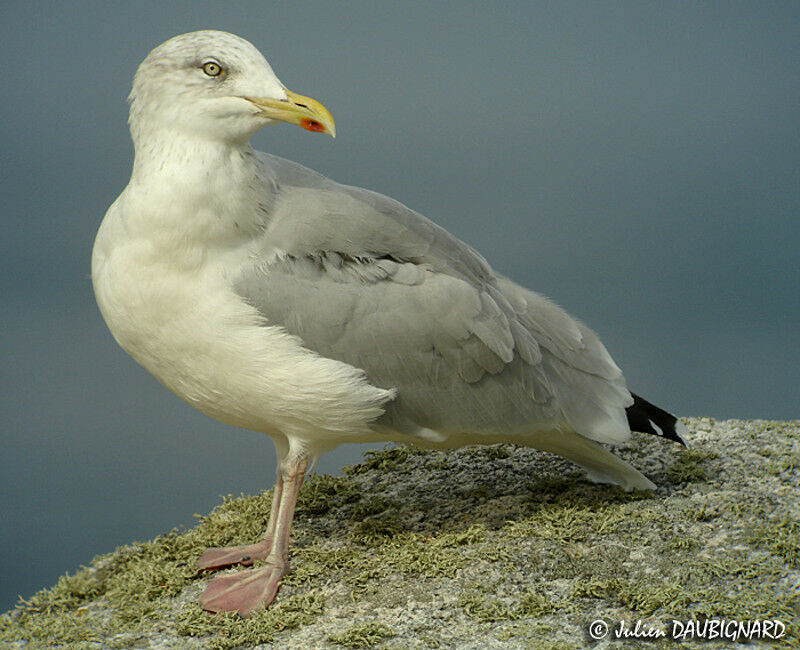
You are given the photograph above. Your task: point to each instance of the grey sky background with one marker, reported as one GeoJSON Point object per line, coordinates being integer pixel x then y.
{"type": "Point", "coordinates": [637, 162]}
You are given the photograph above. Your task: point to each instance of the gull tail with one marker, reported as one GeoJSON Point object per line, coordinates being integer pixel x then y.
{"type": "Point", "coordinates": [648, 418]}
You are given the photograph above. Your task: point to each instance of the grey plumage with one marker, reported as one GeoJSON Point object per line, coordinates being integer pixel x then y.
{"type": "Point", "coordinates": [362, 279]}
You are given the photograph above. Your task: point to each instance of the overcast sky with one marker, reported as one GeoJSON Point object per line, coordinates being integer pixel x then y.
{"type": "Point", "coordinates": [637, 162]}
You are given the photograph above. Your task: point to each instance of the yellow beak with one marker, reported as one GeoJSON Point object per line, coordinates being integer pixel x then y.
{"type": "Point", "coordinates": [305, 112]}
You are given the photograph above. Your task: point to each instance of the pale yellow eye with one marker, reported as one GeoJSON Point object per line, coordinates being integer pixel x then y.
{"type": "Point", "coordinates": [212, 69]}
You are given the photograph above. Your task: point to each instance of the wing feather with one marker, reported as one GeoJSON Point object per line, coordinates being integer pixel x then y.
{"type": "Point", "coordinates": [362, 279]}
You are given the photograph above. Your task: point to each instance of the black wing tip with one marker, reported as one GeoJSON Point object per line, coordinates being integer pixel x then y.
{"type": "Point", "coordinates": [648, 418]}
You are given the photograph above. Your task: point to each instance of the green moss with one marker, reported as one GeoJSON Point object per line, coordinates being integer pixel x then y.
{"type": "Point", "coordinates": [637, 554]}
{"type": "Point", "coordinates": [489, 609]}
{"type": "Point", "coordinates": [388, 551]}
{"type": "Point", "coordinates": [136, 578]}
{"type": "Point", "coordinates": [781, 537]}
{"type": "Point", "coordinates": [230, 631]}
{"type": "Point", "coordinates": [750, 589]}
{"type": "Point", "coordinates": [683, 544]}
{"type": "Point", "coordinates": [373, 532]}
{"type": "Point", "coordinates": [689, 466]}
{"type": "Point", "coordinates": [430, 641]}
{"type": "Point", "coordinates": [535, 636]}
{"type": "Point", "coordinates": [372, 507]}
{"type": "Point", "coordinates": [701, 513]}
{"type": "Point", "coordinates": [493, 452]}
{"type": "Point", "coordinates": [566, 522]}
{"type": "Point", "coordinates": [590, 588]}
{"type": "Point", "coordinates": [525, 629]}
{"type": "Point", "coordinates": [363, 635]}
{"type": "Point", "coordinates": [137, 583]}
{"type": "Point", "coordinates": [550, 488]}
{"type": "Point", "coordinates": [237, 520]}
{"type": "Point", "coordinates": [389, 459]}
{"type": "Point", "coordinates": [534, 605]}
{"type": "Point", "coordinates": [789, 429]}
{"type": "Point", "coordinates": [643, 597]}
{"type": "Point", "coordinates": [788, 463]}
{"type": "Point", "coordinates": [322, 493]}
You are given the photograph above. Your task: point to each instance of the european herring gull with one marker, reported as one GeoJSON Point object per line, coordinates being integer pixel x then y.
{"type": "Point", "coordinates": [274, 299]}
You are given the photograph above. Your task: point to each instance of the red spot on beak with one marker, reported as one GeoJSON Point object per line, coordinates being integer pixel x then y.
{"type": "Point", "coordinates": [312, 125]}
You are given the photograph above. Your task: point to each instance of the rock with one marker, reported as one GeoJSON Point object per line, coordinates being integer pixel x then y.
{"type": "Point", "coordinates": [482, 547]}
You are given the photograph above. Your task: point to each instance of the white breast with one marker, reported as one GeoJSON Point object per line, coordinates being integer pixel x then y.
{"type": "Point", "coordinates": [173, 310]}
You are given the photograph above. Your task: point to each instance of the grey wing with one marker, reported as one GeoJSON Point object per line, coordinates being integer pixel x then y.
{"type": "Point", "coordinates": [588, 386]}
{"type": "Point", "coordinates": [309, 213]}
{"type": "Point", "coordinates": [457, 359]}
{"type": "Point", "coordinates": [360, 278]}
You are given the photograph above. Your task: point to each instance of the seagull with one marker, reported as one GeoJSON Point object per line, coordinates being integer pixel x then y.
{"type": "Point", "coordinates": [274, 299]}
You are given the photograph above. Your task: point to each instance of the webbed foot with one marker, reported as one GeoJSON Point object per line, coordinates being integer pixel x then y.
{"type": "Point", "coordinates": [245, 591]}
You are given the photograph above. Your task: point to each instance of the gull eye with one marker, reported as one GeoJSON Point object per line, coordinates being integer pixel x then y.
{"type": "Point", "coordinates": [212, 68]}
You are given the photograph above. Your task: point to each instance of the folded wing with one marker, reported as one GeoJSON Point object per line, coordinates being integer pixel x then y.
{"type": "Point", "coordinates": [362, 279]}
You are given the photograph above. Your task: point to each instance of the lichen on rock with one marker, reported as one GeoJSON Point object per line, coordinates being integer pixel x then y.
{"type": "Point", "coordinates": [481, 547]}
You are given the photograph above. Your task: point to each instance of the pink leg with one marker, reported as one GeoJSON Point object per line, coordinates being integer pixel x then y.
{"type": "Point", "coordinates": [252, 589]}
{"type": "Point", "coordinates": [218, 558]}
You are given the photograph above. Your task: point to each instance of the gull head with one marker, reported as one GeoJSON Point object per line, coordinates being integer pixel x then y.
{"type": "Point", "coordinates": [215, 85]}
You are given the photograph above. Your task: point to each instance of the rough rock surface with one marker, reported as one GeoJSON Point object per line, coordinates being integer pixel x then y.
{"type": "Point", "coordinates": [482, 547]}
